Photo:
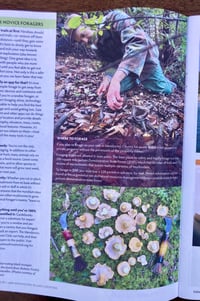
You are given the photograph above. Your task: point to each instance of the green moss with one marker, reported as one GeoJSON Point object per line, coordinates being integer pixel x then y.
{"type": "Point", "coordinates": [140, 277]}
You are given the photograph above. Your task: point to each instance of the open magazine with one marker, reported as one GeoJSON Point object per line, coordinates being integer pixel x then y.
{"type": "Point", "coordinates": [99, 194]}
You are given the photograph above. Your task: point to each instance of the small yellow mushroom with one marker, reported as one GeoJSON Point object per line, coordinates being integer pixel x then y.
{"type": "Point", "coordinates": [88, 238]}
{"type": "Point", "coordinates": [135, 244]}
{"type": "Point", "coordinates": [125, 207]}
{"type": "Point", "coordinates": [151, 227]}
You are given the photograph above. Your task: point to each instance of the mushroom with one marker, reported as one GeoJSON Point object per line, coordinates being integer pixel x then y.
{"type": "Point", "coordinates": [63, 249]}
{"type": "Point", "coordinates": [85, 220]}
{"type": "Point", "coordinates": [151, 227]}
{"type": "Point", "coordinates": [115, 247]}
{"type": "Point", "coordinates": [153, 246]}
{"type": "Point", "coordinates": [105, 211]}
{"type": "Point", "coordinates": [137, 201]}
{"type": "Point", "coordinates": [105, 232]}
{"type": "Point", "coordinates": [135, 244]}
{"type": "Point", "coordinates": [123, 268]}
{"type": "Point", "coordinates": [125, 224]}
{"type": "Point", "coordinates": [125, 207]}
{"type": "Point", "coordinates": [140, 219]}
{"type": "Point", "coordinates": [66, 202]}
{"type": "Point", "coordinates": [132, 261]}
{"type": "Point", "coordinates": [88, 238]}
{"type": "Point", "coordinates": [132, 212]}
{"type": "Point", "coordinates": [111, 195]}
{"type": "Point", "coordinates": [92, 202]}
{"type": "Point", "coordinates": [96, 252]}
{"type": "Point", "coordinates": [102, 273]}
{"type": "Point", "coordinates": [143, 234]}
{"type": "Point", "coordinates": [162, 210]}
{"type": "Point", "coordinates": [145, 207]}
{"type": "Point", "coordinates": [142, 259]}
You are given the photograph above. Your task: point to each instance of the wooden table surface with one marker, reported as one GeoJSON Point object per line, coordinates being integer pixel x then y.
{"type": "Point", "coordinates": [187, 7]}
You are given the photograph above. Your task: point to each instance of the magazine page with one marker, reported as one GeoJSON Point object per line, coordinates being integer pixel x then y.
{"type": "Point", "coordinates": [117, 154]}
{"type": "Point", "coordinates": [190, 232]}
{"type": "Point", "coordinates": [91, 153]}
{"type": "Point", "coordinates": [27, 64]}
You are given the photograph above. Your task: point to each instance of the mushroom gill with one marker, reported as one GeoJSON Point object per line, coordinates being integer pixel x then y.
{"type": "Point", "coordinates": [105, 211]}
{"type": "Point", "coordinates": [115, 247]}
{"type": "Point", "coordinates": [92, 202]}
{"type": "Point", "coordinates": [104, 232]}
{"type": "Point", "coordinates": [151, 227]}
{"type": "Point", "coordinates": [153, 246]}
{"type": "Point", "coordinates": [125, 224]}
{"type": "Point", "coordinates": [123, 268]}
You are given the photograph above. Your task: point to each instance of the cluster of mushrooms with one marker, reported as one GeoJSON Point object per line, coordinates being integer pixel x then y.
{"type": "Point", "coordinates": [128, 219]}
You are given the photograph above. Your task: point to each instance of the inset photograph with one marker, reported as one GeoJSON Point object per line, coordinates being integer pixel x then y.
{"type": "Point", "coordinates": [115, 237]}
{"type": "Point", "coordinates": [120, 73]}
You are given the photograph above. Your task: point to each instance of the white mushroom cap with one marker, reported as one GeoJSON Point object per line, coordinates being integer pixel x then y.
{"type": "Point", "coordinates": [143, 234]}
{"type": "Point", "coordinates": [153, 246]}
{"type": "Point", "coordinates": [105, 232]}
{"type": "Point", "coordinates": [85, 220]}
{"type": "Point", "coordinates": [92, 202]}
{"type": "Point", "coordinates": [142, 259]}
{"type": "Point", "coordinates": [96, 252]}
{"type": "Point", "coordinates": [151, 227]}
{"type": "Point", "coordinates": [111, 195]}
{"type": "Point", "coordinates": [140, 219]}
{"type": "Point", "coordinates": [162, 210]}
{"type": "Point", "coordinates": [145, 207]}
{"type": "Point", "coordinates": [105, 211]}
{"type": "Point", "coordinates": [115, 247]}
{"type": "Point", "coordinates": [125, 207]}
{"type": "Point", "coordinates": [132, 212]}
{"type": "Point", "coordinates": [88, 237]}
{"type": "Point", "coordinates": [102, 273]}
{"type": "Point", "coordinates": [123, 268]}
{"type": "Point", "coordinates": [63, 249]}
{"type": "Point", "coordinates": [137, 201]}
{"type": "Point", "coordinates": [132, 261]}
{"type": "Point", "coordinates": [135, 244]}
{"type": "Point", "coordinates": [125, 224]}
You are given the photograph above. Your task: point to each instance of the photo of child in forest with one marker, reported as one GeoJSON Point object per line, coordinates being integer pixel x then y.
{"type": "Point", "coordinates": [117, 76]}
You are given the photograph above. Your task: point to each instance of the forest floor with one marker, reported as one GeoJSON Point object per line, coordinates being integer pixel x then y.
{"type": "Point", "coordinates": [79, 110]}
